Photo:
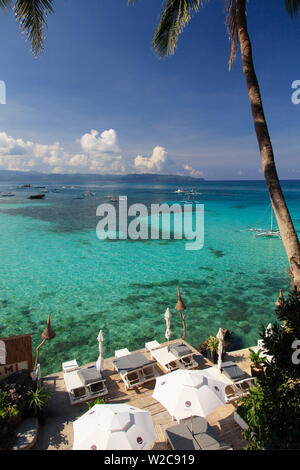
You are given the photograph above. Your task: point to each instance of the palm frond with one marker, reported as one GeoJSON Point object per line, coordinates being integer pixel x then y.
{"type": "Point", "coordinates": [174, 17]}
{"type": "Point", "coordinates": [292, 6]}
{"type": "Point", "coordinates": [232, 31]}
{"type": "Point", "coordinates": [31, 15]}
{"type": "Point", "coordinates": [5, 4]}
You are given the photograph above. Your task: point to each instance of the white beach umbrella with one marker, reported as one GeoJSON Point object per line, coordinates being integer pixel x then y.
{"type": "Point", "coordinates": [168, 324]}
{"type": "Point", "coordinates": [269, 330]}
{"type": "Point", "coordinates": [100, 361]}
{"type": "Point", "coordinates": [220, 336]}
{"type": "Point", "coordinates": [186, 393]}
{"type": "Point", "coordinates": [114, 427]}
{"type": "Point", "coordinates": [2, 353]}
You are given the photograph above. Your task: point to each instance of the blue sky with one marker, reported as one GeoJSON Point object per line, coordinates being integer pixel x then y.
{"type": "Point", "coordinates": [99, 100]}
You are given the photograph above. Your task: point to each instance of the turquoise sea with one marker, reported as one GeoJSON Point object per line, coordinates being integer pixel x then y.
{"type": "Point", "coordinates": [53, 263]}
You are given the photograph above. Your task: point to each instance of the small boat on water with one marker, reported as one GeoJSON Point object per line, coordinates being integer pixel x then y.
{"type": "Point", "coordinates": [7, 194]}
{"type": "Point", "coordinates": [37, 196]}
{"type": "Point", "coordinates": [193, 192]}
{"type": "Point", "coordinates": [265, 233]}
{"type": "Point", "coordinates": [180, 190]}
{"type": "Point", "coordinates": [111, 198]}
{"type": "Point", "coordinates": [269, 233]}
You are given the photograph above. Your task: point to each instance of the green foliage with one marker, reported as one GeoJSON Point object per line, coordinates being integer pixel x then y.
{"type": "Point", "coordinates": [97, 401]}
{"type": "Point", "coordinates": [9, 417]}
{"type": "Point", "coordinates": [256, 359]}
{"type": "Point", "coordinates": [272, 409]}
{"type": "Point", "coordinates": [212, 343]}
{"type": "Point", "coordinates": [38, 399]}
{"type": "Point", "coordinates": [284, 333]}
{"type": "Point", "coordinates": [272, 412]}
{"type": "Point", "coordinates": [7, 410]}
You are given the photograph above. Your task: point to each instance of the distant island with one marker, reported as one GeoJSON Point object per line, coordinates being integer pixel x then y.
{"type": "Point", "coordinates": [7, 176]}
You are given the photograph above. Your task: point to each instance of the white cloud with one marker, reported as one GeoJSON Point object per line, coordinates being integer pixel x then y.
{"type": "Point", "coordinates": [100, 154]}
{"type": "Point", "coordinates": [192, 171]}
{"type": "Point", "coordinates": [154, 164]}
{"type": "Point", "coordinates": [97, 153]}
{"type": "Point", "coordinates": [94, 144]}
{"type": "Point", "coordinates": [160, 162]}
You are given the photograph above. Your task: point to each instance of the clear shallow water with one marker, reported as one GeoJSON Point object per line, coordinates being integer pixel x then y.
{"type": "Point", "coordinates": [53, 263]}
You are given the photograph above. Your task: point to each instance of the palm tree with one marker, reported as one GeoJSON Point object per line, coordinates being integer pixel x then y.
{"type": "Point", "coordinates": [174, 17]}
{"type": "Point", "coordinates": [31, 16]}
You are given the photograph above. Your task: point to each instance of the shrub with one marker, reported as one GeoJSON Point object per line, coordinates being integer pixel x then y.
{"type": "Point", "coordinates": [97, 401]}
{"type": "Point", "coordinates": [38, 399]}
{"type": "Point", "coordinates": [9, 417]}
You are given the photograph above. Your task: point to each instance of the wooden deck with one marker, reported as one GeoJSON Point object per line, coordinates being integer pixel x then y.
{"type": "Point", "coordinates": [57, 433]}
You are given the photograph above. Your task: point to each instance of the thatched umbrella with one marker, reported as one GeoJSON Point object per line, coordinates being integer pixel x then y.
{"type": "Point", "coordinates": [280, 300]}
{"type": "Point", "coordinates": [180, 307]}
{"type": "Point", "coordinates": [47, 335]}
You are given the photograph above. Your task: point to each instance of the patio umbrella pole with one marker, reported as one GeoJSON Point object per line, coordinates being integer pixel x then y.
{"type": "Point", "coordinates": [180, 307]}
{"type": "Point", "coordinates": [47, 335]}
{"type": "Point", "coordinates": [37, 354]}
{"type": "Point", "coordinates": [183, 324]}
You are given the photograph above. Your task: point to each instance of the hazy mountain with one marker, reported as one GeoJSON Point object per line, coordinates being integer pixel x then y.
{"type": "Point", "coordinates": [34, 177]}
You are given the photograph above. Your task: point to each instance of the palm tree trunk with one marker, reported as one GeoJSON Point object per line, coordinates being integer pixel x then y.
{"type": "Point", "coordinates": [285, 224]}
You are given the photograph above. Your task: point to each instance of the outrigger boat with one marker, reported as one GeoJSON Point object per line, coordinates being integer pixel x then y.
{"type": "Point", "coordinates": [37, 196]}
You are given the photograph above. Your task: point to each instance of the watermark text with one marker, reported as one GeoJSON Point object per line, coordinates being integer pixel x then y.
{"type": "Point", "coordinates": [163, 221]}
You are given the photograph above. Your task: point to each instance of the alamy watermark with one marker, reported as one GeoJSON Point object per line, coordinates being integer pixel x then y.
{"type": "Point", "coordinates": [162, 221]}
{"type": "Point", "coordinates": [2, 92]}
{"type": "Point", "coordinates": [296, 353]}
{"type": "Point", "coordinates": [296, 94]}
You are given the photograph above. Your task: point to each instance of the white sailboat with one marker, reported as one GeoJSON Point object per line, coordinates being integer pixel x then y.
{"type": "Point", "coordinates": [268, 233]}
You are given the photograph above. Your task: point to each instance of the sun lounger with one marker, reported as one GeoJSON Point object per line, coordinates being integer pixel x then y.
{"type": "Point", "coordinates": [180, 438]}
{"type": "Point", "coordinates": [239, 389]}
{"type": "Point", "coordinates": [194, 434]}
{"type": "Point", "coordinates": [83, 384]}
{"type": "Point", "coordinates": [165, 358]}
{"type": "Point", "coordinates": [135, 369]}
{"type": "Point", "coordinates": [175, 356]}
{"type": "Point", "coordinates": [152, 345]}
{"type": "Point", "coordinates": [122, 352]}
{"type": "Point", "coordinates": [180, 350]}
{"type": "Point", "coordinates": [184, 355]}
{"type": "Point", "coordinates": [237, 381]}
{"type": "Point", "coordinates": [70, 366]}
{"type": "Point", "coordinates": [232, 371]}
